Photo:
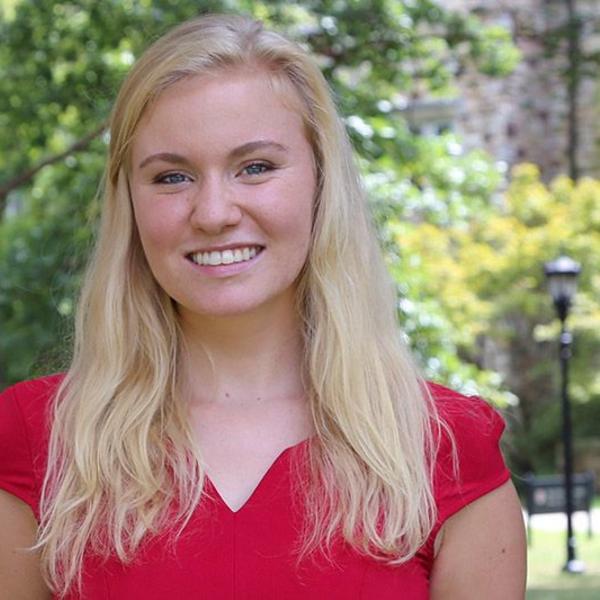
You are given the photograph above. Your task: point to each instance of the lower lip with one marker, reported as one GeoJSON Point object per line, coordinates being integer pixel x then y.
{"type": "Point", "coordinates": [222, 271]}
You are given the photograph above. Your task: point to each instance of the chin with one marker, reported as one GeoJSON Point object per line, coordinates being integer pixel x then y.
{"type": "Point", "coordinates": [233, 310]}
{"type": "Point", "coordinates": [235, 306]}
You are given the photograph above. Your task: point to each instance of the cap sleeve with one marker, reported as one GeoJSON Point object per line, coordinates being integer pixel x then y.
{"type": "Point", "coordinates": [469, 463]}
{"type": "Point", "coordinates": [24, 438]}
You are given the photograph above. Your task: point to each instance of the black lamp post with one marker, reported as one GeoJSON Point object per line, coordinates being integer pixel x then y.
{"type": "Point", "coordinates": [562, 276]}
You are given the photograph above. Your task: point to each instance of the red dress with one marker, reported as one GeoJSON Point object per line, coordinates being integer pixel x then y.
{"type": "Point", "coordinates": [248, 554]}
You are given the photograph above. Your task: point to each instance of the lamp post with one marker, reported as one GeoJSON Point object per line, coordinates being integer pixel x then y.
{"type": "Point", "coordinates": [562, 276]}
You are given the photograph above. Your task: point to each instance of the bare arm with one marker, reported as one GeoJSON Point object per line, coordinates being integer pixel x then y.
{"type": "Point", "coordinates": [483, 552]}
{"type": "Point", "coordinates": [20, 577]}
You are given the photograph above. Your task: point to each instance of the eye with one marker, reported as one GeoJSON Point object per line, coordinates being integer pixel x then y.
{"type": "Point", "coordinates": [172, 178]}
{"type": "Point", "coordinates": [257, 168]}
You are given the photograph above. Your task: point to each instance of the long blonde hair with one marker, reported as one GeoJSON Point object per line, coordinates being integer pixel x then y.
{"type": "Point", "coordinates": [122, 456]}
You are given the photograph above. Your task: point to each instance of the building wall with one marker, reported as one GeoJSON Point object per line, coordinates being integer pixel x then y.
{"type": "Point", "coordinates": [523, 117]}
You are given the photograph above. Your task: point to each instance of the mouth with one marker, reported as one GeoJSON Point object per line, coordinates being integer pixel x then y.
{"type": "Point", "coordinates": [215, 258]}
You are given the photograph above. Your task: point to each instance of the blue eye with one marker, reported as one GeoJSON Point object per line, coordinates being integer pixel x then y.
{"type": "Point", "coordinates": [171, 178]}
{"type": "Point", "coordinates": [257, 168]}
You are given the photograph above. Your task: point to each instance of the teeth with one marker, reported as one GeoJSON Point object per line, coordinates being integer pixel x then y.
{"type": "Point", "coordinates": [226, 257]}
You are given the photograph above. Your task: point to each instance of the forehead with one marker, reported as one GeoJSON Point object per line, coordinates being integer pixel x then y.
{"type": "Point", "coordinates": [227, 98]}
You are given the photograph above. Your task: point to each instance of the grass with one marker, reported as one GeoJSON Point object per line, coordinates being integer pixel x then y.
{"type": "Point", "coordinates": [546, 558]}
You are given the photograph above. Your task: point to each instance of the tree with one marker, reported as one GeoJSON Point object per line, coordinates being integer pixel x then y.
{"type": "Point", "coordinates": [487, 276]}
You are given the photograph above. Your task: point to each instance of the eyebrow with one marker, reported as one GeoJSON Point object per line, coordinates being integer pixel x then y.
{"type": "Point", "coordinates": [177, 159]}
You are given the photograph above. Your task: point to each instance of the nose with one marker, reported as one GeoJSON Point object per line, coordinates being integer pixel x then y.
{"type": "Point", "coordinates": [214, 207]}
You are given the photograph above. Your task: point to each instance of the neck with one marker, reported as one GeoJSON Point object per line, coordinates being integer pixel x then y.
{"type": "Point", "coordinates": [243, 357]}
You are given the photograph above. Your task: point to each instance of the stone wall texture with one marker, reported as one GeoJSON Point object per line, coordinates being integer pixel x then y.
{"type": "Point", "coordinates": [523, 117]}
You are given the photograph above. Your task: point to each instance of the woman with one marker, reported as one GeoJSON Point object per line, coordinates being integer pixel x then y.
{"type": "Point", "coordinates": [240, 418]}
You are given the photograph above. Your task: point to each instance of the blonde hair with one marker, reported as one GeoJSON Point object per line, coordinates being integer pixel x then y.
{"type": "Point", "coordinates": [122, 454]}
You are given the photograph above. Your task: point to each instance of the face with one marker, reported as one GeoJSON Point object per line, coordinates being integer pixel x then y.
{"type": "Point", "coordinates": [223, 182]}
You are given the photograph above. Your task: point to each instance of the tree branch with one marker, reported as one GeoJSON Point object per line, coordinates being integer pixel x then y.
{"type": "Point", "coordinates": [29, 174]}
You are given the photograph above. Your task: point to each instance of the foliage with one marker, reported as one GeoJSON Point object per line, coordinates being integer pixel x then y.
{"type": "Point", "coordinates": [486, 277]}
{"type": "Point", "coordinates": [42, 252]}
{"type": "Point", "coordinates": [62, 62]}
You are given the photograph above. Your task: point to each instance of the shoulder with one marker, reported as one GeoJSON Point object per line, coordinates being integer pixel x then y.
{"type": "Point", "coordinates": [24, 433]}
{"type": "Point", "coordinates": [461, 411]}
{"type": "Point", "coordinates": [33, 392]}
{"type": "Point", "coordinates": [27, 404]}
{"type": "Point", "coordinates": [482, 548]}
{"type": "Point", "coordinates": [469, 462]}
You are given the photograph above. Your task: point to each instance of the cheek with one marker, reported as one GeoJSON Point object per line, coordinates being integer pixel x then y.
{"type": "Point", "coordinates": [155, 227]}
{"type": "Point", "coordinates": [294, 205]}
{"type": "Point", "coordinates": [299, 235]}
{"type": "Point", "coordinates": [293, 221]}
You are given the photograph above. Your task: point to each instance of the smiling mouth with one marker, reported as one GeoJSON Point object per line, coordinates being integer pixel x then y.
{"type": "Point", "coordinates": [215, 258]}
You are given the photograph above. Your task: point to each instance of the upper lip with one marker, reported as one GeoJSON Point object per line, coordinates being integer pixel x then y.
{"type": "Point", "coordinates": [223, 247]}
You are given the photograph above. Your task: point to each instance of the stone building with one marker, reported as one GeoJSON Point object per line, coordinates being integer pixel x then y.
{"type": "Point", "coordinates": [524, 117]}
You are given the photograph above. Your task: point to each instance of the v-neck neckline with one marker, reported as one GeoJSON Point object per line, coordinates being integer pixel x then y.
{"type": "Point", "coordinates": [262, 482]}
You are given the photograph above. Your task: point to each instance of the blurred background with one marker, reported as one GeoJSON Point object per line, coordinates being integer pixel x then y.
{"type": "Point", "coordinates": [477, 127]}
